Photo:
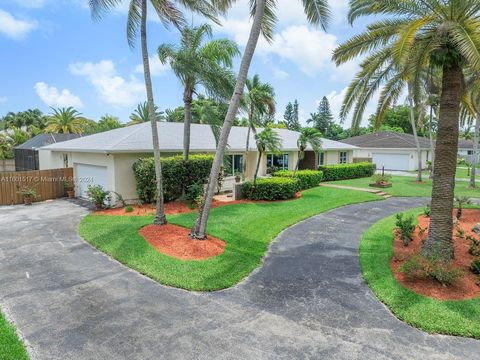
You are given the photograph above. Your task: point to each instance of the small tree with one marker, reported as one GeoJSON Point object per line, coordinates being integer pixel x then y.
{"type": "Point", "coordinates": [267, 140]}
{"type": "Point", "coordinates": [65, 121]}
{"type": "Point", "coordinates": [308, 136]}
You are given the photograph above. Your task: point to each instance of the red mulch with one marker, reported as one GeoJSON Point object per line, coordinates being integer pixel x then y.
{"type": "Point", "coordinates": [465, 288]}
{"type": "Point", "coordinates": [175, 207]}
{"type": "Point", "coordinates": [174, 241]}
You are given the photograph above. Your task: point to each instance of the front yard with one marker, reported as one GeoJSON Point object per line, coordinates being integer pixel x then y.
{"type": "Point", "coordinates": [406, 186]}
{"type": "Point", "coordinates": [247, 229]}
{"type": "Point", "coordinates": [10, 346]}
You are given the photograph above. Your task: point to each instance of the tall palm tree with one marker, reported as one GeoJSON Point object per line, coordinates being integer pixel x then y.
{"type": "Point", "coordinates": [264, 20]}
{"type": "Point", "coordinates": [308, 136]}
{"type": "Point", "coordinates": [169, 12]}
{"type": "Point", "coordinates": [259, 101]}
{"type": "Point", "coordinates": [141, 114]}
{"type": "Point", "coordinates": [65, 121]}
{"type": "Point", "coordinates": [418, 35]}
{"type": "Point", "coordinates": [199, 63]}
{"type": "Point", "coordinates": [267, 140]}
{"type": "Point", "coordinates": [473, 111]}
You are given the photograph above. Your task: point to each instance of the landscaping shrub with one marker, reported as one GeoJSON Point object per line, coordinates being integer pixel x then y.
{"type": "Point", "coordinates": [129, 209]}
{"type": "Point", "coordinates": [307, 178]}
{"type": "Point", "coordinates": [406, 227]}
{"type": "Point", "coordinates": [475, 266]}
{"type": "Point", "coordinates": [474, 249]}
{"type": "Point", "coordinates": [347, 171]}
{"type": "Point", "coordinates": [277, 188]}
{"type": "Point", "coordinates": [178, 175]}
{"type": "Point", "coordinates": [439, 270]}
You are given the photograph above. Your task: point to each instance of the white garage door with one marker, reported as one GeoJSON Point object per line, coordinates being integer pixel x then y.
{"type": "Point", "coordinates": [89, 175]}
{"type": "Point", "coordinates": [392, 161]}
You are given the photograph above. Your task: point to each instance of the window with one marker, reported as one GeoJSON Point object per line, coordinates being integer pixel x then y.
{"type": "Point", "coordinates": [279, 162]}
{"type": "Point", "coordinates": [470, 152]}
{"type": "Point", "coordinates": [233, 164]}
{"type": "Point", "coordinates": [343, 157]}
{"type": "Point", "coordinates": [321, 159]}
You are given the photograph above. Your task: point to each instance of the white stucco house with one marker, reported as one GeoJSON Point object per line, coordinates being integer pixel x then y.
{"type": "Point", "coordinates": [395, 151]}
{"type": "Point", "coordinates": [107, 158]}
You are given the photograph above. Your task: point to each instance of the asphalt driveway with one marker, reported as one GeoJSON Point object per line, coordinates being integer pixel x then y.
{"type": "Point", "coordinates": [307, 301]}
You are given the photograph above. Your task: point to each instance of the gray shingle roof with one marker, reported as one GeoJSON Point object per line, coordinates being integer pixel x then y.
{"type": "Point", "coordinates": [387, 140]}
{"type": "Point", "coordinates": [45, 139]}
{"type": "Point", "coordinates": [138, 139]}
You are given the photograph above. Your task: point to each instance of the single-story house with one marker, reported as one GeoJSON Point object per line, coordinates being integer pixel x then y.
{"type": "Point", "coordinates": [395, 151]}
{"type": "Point", "coordinates": [26, 154]}
{"type": "Point", "coordinates": [465, 150]}
{"type": "Point", "coordinates": [107, 158]}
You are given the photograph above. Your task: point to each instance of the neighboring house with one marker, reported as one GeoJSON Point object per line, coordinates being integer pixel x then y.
{"type": "Point", "coordinates": [395, 151]}
{"type": "Point", "coordinates": [465, 150]}
{"type": "Point", "coordinates": [26, 154]}
{"type": "Point", "coordinates": [106, 158]}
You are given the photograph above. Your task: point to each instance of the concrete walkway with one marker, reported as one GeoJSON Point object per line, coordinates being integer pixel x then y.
{"type": "Point", "coordinates": [307, 301]}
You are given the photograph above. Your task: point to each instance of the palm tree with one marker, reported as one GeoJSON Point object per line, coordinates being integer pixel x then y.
{"type": "Point", "coordinates": [308, 136]}
{"type": "Point", "coordinates": [472, 110]}
{"type": "Point", "coordinates": [65, 121]}
{"type": "Point", "coordinates": [259, 101]}
{"type": "Point", "coordinates": [141, 114]}
{"type": "Point", "coordinates": [196, 63]}
{"type": "Point", "coordinates": [267, 140]}
{"type": "Point", "coordinates": [264, 19]}
{"type": "Point", "coordinates": [418, 35]}
{"type": "Point", "coordinates": [169, 13]}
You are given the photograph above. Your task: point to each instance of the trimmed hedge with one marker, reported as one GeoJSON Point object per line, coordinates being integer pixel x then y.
{"type": "Point", "coordinates": [307, 178]}
{"type": "Point", "coordinates": [178, 175]}
{"type": "Point", "coordinates": [277, 188]}
{"type": "Point", "coordinates": [347, 171]}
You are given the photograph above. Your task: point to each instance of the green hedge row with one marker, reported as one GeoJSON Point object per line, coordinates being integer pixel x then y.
{"type": "Point", "coordinates": [307, 178]}
{"type": "Point", "coordinates": [276, 188]}
{"type": "Point", "coordinates": [347, 171]}
{"type": "Point", "coordinates": [178, 175]}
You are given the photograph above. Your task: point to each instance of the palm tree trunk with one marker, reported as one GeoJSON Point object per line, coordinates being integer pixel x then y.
{"type": "Point", "coordinates": [432, 144]}
{"type": "Point", "coordinates": [187, 101]}
{"type": "Point", "coordinates": [440, 239]}
{"type": "Point", "coordinates": [160, 218]}
{"type": "Point", "coordinates": [245, 156]}
{"type": "Point", "coordinates": [473, 174]}
{"type": "Point", "coordinates": [255, 176]}
{"type": "Point", "coordinates": [199, 230]}
{"type": "Point", "coordinates": [415, 134]}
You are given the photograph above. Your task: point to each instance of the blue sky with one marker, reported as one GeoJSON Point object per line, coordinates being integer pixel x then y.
{"type": "Point", "coordinates": [54, 54]}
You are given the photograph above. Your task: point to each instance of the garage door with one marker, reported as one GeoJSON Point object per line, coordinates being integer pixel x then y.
{"type": "Point", "coordinates": [89, 175]}
{"type": "Point", "coordinates": [392, 161]}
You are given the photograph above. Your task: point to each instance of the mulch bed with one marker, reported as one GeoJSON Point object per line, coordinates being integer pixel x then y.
{"type": "Point", "coordinates": [466, 287]}
{"type": "Point", "coordinates": [174, 241]}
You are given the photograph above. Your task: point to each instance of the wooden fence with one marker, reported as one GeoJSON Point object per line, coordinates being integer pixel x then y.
{"type": "Point", "coordinates": [48, 184]}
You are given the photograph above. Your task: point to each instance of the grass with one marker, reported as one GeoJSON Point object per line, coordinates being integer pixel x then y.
{"type": "Point", "coordinates": [462, 173]}
{"type": "Point", "coordinates": [460, 318]}
{"type": "Point", "coordinates": [11, 348]}
{"type": "Point", "coordinates": [408, 187]}
{"type": "Point", "coordinates": [247, 229]}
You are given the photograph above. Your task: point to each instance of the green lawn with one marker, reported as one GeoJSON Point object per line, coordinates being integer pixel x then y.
{"type": "Point", "coordinates": [461, 318]}
{"type": "Point", "coordinates": [462, 173]}
{"type": "Point", "coordinates": [247, 229]}
{"type": "Point", "coordinates": [407, 186]}
{"type": "Point", "coordinates": [11, 348]}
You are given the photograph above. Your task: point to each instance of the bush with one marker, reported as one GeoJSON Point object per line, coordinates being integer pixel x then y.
{"type": "Point", "coordinates": [441, 271]}
{"type": "Point", "coordinates": [129, 209]}
{"type": "Point", "coordinates": [347, 171]}
{"type": "Point", "coordinates": [307, 178]}
{"type": "Point", "coordinates": [406, 227]}
{"type": "Point", "coordinates": [277, 188]}
{"type": "Point", "coordinates": [98, 195]}
{"type": "Point", "coordinates": [474, 249]}
{"type": "Point", "coordinates": [178, 175]}
{"type": "Point", "coordinates": [475, 266]}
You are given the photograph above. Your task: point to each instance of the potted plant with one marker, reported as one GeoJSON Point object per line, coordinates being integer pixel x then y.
{"type": "Point", "coordinates": [98, 196]}
{"type": "Point", "coordinates": [70, 189]}
{"type": "Point", "coordinates": [28, 193]}
{"type": "Point", "coordinates": [381, 181]}
{"type": "Point", "coordinates": [238, 177]}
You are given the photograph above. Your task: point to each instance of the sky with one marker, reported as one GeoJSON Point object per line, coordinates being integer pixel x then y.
{"type": "Point", "coordinates": [54, 55]}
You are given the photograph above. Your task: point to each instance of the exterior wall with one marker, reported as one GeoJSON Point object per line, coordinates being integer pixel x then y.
{"type": "Point", "coordinates": [413, 156]}
{"type": "Point", "coordinates": [50, 160]}
{"type": "Point", "coordinates": [125, 183]}
{"type": "Point", "coordinates": [332, 157]}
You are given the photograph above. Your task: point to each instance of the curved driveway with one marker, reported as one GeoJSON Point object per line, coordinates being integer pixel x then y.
{"type": "Point", "coordinates": [307, 301]}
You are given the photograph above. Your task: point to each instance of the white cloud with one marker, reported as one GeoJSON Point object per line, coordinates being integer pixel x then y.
{"type": "Point", "coordinates": [156, 67]}
{"type": "Point", "coordinates": [114, 89]}
{"type": "Point", "coordinates": [15, 28]}
{"type": "Point", "coordinates": [51, 96]}
{"type": "Point", "coordinates": [280, 74]}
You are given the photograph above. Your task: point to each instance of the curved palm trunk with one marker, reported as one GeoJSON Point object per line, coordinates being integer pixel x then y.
{"type": "Point", "coordinates": [432, 144]}
{"type": "Point", "coordinates": [415, 135]}
{"type": "Point", "coordinates": [473, 174]}
{"type": "Point", "coordinates": [160, 218]}
{"type": "Point", "coordinates": [245, 156]}
{"type": "Point", "coordinates": [187, 101]}
{"type": "Point", "coordinates": [259, 161]}
{"type": "Point", "coordinates": [199, 229]}
{"type": "Point", "coordinates": [440, 241]}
